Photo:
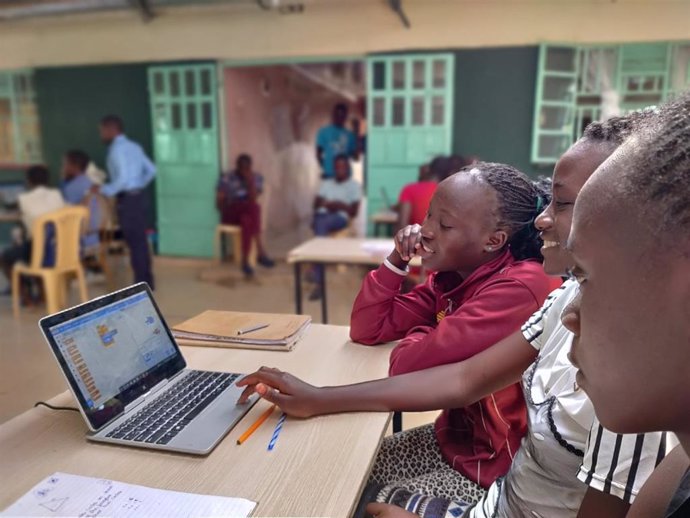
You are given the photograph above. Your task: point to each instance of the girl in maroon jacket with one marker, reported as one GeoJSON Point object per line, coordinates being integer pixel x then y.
{"type": "Point", "coordinates": [479, 238]}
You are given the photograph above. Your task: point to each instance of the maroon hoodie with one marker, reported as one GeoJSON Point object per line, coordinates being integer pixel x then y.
{"type": "Point", "coordinates": [447, 320]}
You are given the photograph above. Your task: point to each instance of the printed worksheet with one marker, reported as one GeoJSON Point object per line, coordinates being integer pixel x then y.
{"type": "Point", "coordinates": [62, 494]}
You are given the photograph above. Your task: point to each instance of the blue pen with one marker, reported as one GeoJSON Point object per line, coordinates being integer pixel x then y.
{"type": "Point", "coordinates": [276, 432]}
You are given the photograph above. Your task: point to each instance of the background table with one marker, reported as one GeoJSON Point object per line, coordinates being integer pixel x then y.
{"type": "Point", "coordinates": [386, 219]}
{"type": "Point", "coordinates": [318, 467]}
{"type": "Point", "coordinates": [331, 250]}
{"type": "Point", "coordinates": [10, 216]}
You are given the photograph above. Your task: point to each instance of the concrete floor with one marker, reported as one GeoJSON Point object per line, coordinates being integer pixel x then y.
{"type": "Point", "coordinates": [29, 373]}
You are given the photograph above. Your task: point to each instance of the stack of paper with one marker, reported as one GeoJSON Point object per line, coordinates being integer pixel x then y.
{"type": "Point", "coordinates": [224, 329]}
{"type": "Point", "coordinates": [62, 494]}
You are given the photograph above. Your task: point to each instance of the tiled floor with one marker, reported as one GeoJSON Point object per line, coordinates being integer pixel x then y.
{"type": "Point", "coordinates": [28, 372]}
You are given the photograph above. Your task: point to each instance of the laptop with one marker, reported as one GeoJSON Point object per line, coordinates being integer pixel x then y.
{"type": "Point", "coordinates": [130, 380]}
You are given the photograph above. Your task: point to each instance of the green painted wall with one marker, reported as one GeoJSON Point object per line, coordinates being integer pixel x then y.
{"type": "Point", "coordinates": [494, 105]}
{"type": "Point", "coordinates": [71, 101]}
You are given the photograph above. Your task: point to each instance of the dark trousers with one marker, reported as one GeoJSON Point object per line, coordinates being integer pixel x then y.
{"type": "Point", "coordinates": [324, 224]}
{"type": "Point", "coordinates": [246, 214]}
{"type": "Point", "coordinates": [12, 255]}
{"type": "Point", "coordinates": [131, 213]}
{"type": "Point", "coordinates": [327, 222]}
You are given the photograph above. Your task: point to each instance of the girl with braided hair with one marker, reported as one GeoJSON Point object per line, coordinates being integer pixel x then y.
{"type": "Point", "coordinates": [480, 241]}
{"type": "Point", "coordinates": [567, 465]}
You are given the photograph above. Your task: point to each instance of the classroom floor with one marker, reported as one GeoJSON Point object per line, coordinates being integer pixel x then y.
{"type": "Point", "coordinates": [29, 373]}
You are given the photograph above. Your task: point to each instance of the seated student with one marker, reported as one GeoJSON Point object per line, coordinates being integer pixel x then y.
{"type": "Point", "coordinates": [336, 204]}
{"type": "Point", "coordinates": [631, 244]}
{"type": "Point", "coordinates": [542, 478]}
{"type": "Point", "coordinates": [337, 201]}
{"type": "Point", "coordinates": [75, 189]}
{"type": "Point", "coordinates": [415, 197]}
{"type": "Point", "coordinates": [39, 200]}
{"type": "Point", "coordinates": [236, 199]}
{"type": "Point", "coordinates": [480, 240]}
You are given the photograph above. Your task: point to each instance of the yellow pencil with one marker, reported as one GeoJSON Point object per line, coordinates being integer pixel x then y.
{"type": "Point", "coordinates": [256, 424]}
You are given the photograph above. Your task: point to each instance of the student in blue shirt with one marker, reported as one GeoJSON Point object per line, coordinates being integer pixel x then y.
{"type": "Point", "coordinates": [130, 171]}
{"type": "Point", "coordinates": [334, 140]}
{"type": "Point", "coordinates": [76, 187]}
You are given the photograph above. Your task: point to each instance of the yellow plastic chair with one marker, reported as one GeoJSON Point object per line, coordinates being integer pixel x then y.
{"type": "Point", "coordinates": [69, 224]}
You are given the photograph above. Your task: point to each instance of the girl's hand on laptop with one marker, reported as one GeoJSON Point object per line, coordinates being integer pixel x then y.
{"type": "Point", "coordinates": [408, 241]}
{"type": "Point", "coordinates": [292, 395]}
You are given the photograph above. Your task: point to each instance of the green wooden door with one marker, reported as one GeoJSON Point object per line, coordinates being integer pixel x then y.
{"type": "Point", "coordinates": [186, 151]}
{"type": "Point", "coordinates": [409, 119]}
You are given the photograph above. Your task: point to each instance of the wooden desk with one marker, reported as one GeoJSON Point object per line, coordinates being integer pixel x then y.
{"type": "Point", "coordinates": [318, 467]}
{"type": "Point", "coordinates": [326, 250]}
{"type": "Point", "coordinates": [10, 217]}
{"type": "Point", "coordinates": [386, 219]}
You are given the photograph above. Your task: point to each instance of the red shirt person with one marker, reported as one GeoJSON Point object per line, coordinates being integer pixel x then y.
{"type": "Point", "coordinates": [415, 197]}
{"type": "Point", "coordinates": [480, 240]}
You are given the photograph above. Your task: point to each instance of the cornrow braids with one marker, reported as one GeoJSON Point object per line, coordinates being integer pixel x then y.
{"type": "Point", "coordinates": [616, 129]}
{"type": "Point", "coordinates": [657, 168]}
{"type": "Point", "coordinates": [520, 201]}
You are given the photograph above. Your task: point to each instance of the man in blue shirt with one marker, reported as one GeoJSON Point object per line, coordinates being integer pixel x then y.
{"type": "Point", "coordinates": [334, 140]}
{"type": "Point", "coordinates": [76, 187]}
{"type": "Point", "coordinates": [130, 171]}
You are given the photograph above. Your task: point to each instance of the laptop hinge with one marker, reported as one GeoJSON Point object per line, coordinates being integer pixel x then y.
{"type": "Point", "coordinates": [146, 396]}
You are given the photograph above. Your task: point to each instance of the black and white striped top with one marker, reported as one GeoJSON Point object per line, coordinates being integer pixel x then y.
{"type": "Point", "coordinates": [543, 479]}
{"type": "Point", "coordinates": [619, 464]}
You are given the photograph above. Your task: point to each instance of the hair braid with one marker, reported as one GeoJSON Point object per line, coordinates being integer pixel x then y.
{"type": "Point", "coordinates": [658, 166]}
{"type": "Point", "coordinates": [616, 129]}
{"type": "Point", "coordinates": [520, 201]}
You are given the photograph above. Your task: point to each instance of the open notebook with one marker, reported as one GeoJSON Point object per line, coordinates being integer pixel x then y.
{"type": "Point", "coordinates": [62, 494]}
{"type": "Point", "coordinates": [220, 329]}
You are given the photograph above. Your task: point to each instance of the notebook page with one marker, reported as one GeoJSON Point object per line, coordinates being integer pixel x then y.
{"type": "Point", "coordinates": [62, 494]}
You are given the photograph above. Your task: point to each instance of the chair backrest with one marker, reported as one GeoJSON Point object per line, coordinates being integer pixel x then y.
{"type": "Point", "coordinates": [68, 226]}
{"type": "Point", "coordinates": [101, 211]}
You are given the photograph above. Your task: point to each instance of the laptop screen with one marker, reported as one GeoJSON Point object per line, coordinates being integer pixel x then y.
{"type": "Point", "coordinates": [112, 350]}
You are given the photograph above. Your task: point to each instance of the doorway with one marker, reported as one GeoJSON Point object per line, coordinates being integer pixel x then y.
{"type": "Point", "coordinates": [273, 113]}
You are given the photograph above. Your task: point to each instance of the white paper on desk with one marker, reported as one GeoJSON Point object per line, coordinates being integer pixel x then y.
{"type": "Point", "coordinates": [62, 494]}
{"type": "Point", "coordinates": [378, 248]}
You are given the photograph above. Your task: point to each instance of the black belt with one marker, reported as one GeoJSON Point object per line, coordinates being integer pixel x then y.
{"type": "Point", "coordinates": [125, 194]}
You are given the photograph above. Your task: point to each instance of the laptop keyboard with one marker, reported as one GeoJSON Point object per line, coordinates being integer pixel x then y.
{"type": "Point", "coordinates": [160, 421]}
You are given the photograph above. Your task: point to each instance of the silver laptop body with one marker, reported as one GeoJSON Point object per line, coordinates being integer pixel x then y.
{"type": "Point", "coordinates": [130, 380]}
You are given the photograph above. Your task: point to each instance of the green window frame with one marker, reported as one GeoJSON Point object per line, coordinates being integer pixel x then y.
{"type": "Point", "coordinates": [410, 91]}
{"type": "Point", "coordinates": [571, 83]}
{"type": "Point", "coordinates": [554, 107]}
{"type": "Point", "coordinates": [20, 132]}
